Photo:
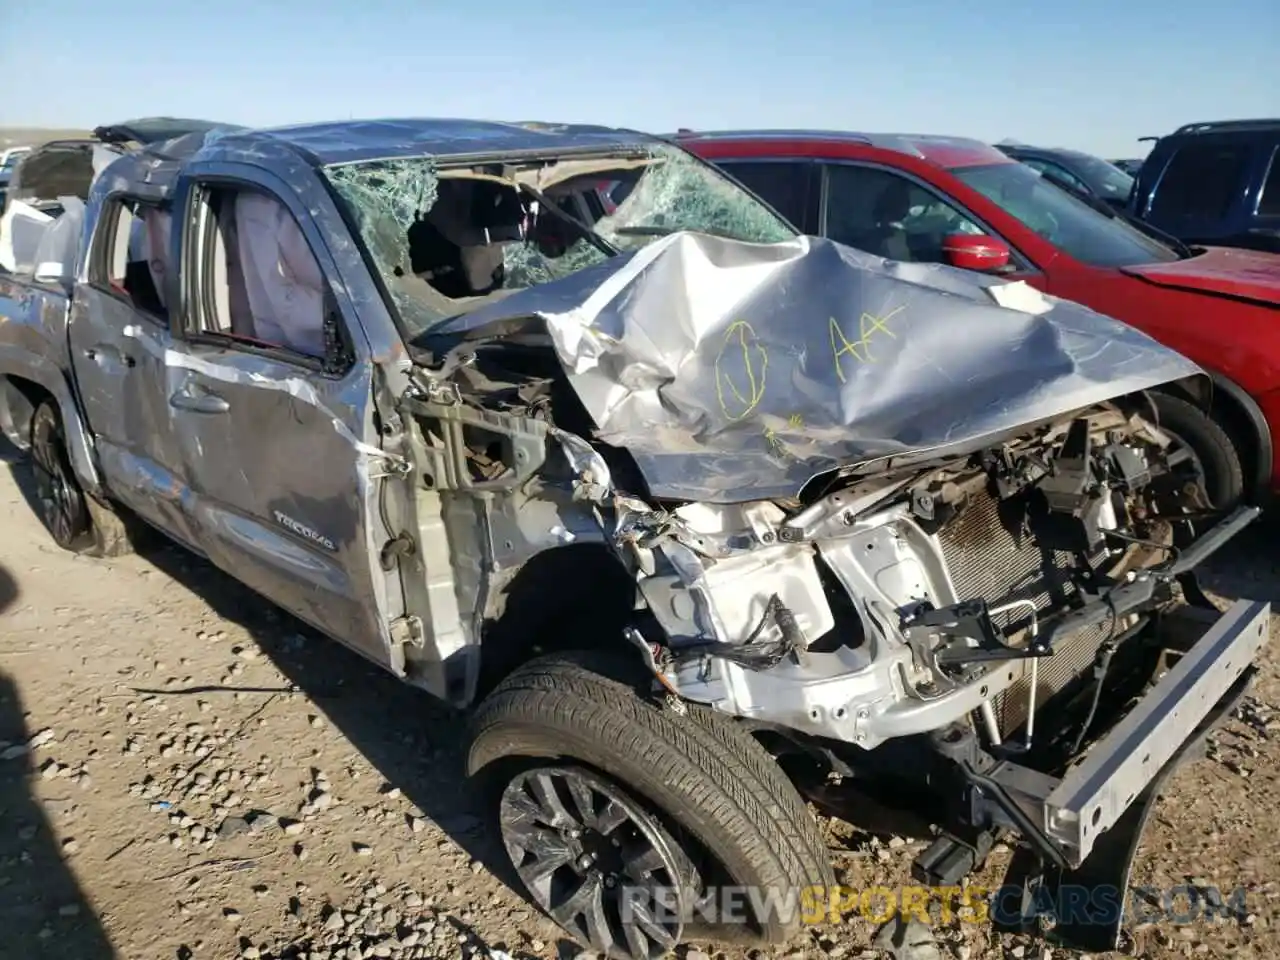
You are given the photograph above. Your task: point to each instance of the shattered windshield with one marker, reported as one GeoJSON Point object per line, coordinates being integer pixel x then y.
{"type": "Point", "coordinates": [448, 239]}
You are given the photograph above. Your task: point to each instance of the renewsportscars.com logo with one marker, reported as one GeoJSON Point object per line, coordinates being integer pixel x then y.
{"type": "Point", "coordinates": [1074, 904]}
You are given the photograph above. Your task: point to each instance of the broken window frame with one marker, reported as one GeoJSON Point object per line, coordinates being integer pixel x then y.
{"type": "Point", "coordinates": [104, 245]}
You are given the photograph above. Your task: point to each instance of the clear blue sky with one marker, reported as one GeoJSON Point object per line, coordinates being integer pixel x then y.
{"type": "Point", "coordinates": [1093, 74]}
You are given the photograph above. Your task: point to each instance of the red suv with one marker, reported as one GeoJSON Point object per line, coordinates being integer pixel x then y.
{"type": "Point", "coordinates": [962, 202]}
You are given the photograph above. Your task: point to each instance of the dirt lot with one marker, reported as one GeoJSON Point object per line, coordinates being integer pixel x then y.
{"type": "Point", "coordinates": [207, 779]}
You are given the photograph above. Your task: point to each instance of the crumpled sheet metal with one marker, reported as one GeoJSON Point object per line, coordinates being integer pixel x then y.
{"type": "Point", "coordinates": [735, 371]}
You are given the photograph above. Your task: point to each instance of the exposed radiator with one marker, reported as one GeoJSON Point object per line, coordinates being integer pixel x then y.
{"type": "Point", "coordinates": [990, 561]}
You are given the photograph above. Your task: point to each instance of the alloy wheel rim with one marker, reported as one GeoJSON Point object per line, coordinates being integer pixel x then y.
{"type": "Point", "coordinates": [53, 489]}
{"type": "Point", "coordinates": [596, 862]}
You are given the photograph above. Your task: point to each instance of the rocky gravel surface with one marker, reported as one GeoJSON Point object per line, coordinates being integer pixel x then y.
{"type": "Point", "coordinates": [186, 772]}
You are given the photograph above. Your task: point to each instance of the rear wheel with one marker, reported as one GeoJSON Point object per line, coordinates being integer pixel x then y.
{"type": "Point", "coordinates": [1207, 445]}
{"type": "Point", "coordinates": [75, 520]}
{"type": "Point", "coordinates": [634, 825]}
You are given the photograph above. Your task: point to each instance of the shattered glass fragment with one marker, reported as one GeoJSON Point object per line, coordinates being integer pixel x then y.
{"type": "Point", "coordinates": [526, 266]}
{"type": "Point", "coordinates": [387, 197]}
{"type": "Point", "coordinates": [677, 192]}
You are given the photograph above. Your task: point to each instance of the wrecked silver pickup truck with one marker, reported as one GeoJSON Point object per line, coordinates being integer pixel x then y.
{"type": "Point", "coordinates": [699, 515]}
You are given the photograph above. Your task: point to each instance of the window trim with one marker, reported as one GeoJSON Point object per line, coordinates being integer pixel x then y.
{"type": "Point", "coordinates": [1272, 166]}
{"type": "Point", "coordinates": [101, 247]}
{"type": "Point", "coordinates": [1238, 193]}
{"type": "Point", "coordinates": [196, 262]}
{"type": "Point", "coordinates": [1024, 265]}
{"type": "Point", "coordinates": [812, 201]}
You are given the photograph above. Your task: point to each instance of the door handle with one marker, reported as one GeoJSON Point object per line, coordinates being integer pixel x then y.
{"type": "Point", "coordinates": [104, 354]}
{"type": "Point", "coordinates": [198, 401]}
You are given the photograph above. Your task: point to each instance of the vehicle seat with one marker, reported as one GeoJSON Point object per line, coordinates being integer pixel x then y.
{"type": "Point", "coordinates": [458, 246]}
{"type": "Point", "coordinates": [59, 245]}
{"type": "Point", "coordinates": [283, 281]}
{"type": "Point", "coordinates": [147, 267]}
{"type": "Point", "coordinates": [157, 249]}
{"type": "Point", "coordinates": [888, 237]}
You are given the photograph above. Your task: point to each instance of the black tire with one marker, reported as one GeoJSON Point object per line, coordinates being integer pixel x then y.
{"type": "Point", "coordinates": [1215, 454]}
{"type": "Point", "coordinates": [715, 789]}
{"type": "Point", "coordinates": [75, 520]}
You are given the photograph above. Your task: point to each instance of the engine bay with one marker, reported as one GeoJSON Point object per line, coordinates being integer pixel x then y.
{"type": "Point", "coordinates": [898, 604]}
{"type": "Point", "coordinates": [878, 602]}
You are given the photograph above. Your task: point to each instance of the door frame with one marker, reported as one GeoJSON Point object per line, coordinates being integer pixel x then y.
{"type": "Point", "coordinates": [1027, 268]}
{"type": "Point", "coordinates": [203, 355]}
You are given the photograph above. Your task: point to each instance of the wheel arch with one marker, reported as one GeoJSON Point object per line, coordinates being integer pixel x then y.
{"type": "Point", "coordinates": [21, 393]}
{"type": "Point", "coordinates": [1243, 420]}
{"type": "Point", "coordinates": [576, 596]}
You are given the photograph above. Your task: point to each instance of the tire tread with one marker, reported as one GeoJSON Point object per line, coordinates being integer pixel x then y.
{"type": "Point", "coordinates": [729, 790]}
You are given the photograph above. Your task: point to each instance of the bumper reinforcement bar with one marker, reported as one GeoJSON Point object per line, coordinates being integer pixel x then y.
{"type": "Point", "coordinates": [1085, 827]}
{"type": "Point", "coordinates": [1095, 793]}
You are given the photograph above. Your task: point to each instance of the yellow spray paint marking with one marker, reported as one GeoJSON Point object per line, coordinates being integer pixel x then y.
{"type": "Point", "coordinates": [794, 422]}
{"type": "Point", "coordinates": [740, 399]}
{"type": "Point", "coordinates": [869, 325]}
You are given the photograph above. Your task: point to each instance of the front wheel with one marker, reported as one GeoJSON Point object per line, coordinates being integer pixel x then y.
{"type": "Point", "coordinates": [1207, 445]}
{"type": "Point", "coordinates": [634, 825]}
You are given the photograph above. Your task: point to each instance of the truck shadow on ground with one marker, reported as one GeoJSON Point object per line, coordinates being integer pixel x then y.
{"type": "Point", "coordinates": [43, 911]}
{"type": "Point", "coordinates": [1249, 566]}
{"type": "Point", "coordinates": [415, 742]}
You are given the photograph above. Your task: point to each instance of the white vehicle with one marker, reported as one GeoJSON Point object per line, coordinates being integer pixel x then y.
{"type": "Point", "coordinates": [8, 163]}
{"type": "Point", "coordinates": [9, 158]}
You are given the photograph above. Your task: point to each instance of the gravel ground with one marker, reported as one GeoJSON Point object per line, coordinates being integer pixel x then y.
{"type": "Point", "coordinates": [186, 772]}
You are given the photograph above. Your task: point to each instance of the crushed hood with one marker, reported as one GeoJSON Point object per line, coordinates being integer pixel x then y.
{"type": "Point", "coordinates": [735, 371]}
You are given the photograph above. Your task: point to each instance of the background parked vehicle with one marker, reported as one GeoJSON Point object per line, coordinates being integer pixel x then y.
{"type": "Point", "coordinates": [10, 155]}
{"type": "Point", "coordinates": [1079, 171]}
{"type": "Point", "coordinates": [1215, 183]}
{"type": "Point", "coordinates": [1130, 166]}
{"type": "Point", "coordinates": [9, 160]}
{"type": "Point", "coordinates": [959, 201]}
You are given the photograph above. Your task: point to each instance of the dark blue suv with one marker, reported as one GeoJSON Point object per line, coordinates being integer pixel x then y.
{"type": "Point", "coordinates": [1214, 184]}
